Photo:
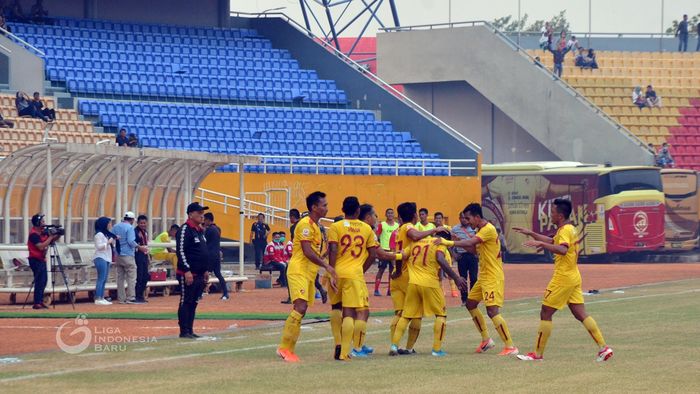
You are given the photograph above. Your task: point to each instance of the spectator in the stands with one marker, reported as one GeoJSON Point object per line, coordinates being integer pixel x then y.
{"type": "Point", "coordinates": [663, 157]}
{"type": "Point", "coordinates": [14, 12]}
{"type": "Point", "coordinates": [3, 24]}
{"type": "Point", "coordinates": [37, 13]}
{"type": "Point", "coordinates": [6, 124]}
{"type": "Point", "coordinates": [562, 40]}
{"type": "Point", "coordinates": [132, 141]}
{"type": "Point", "coordinates": [24, 105]}
{"type": "Point", "coordinates": [122, 139]}
{"type": "Point", "coordinates": [573, 44]}
{"type": "Point", "coordinates": [579, 60]}
{"type": "Point", "coordinates": [42, 109]}
{"type": "Point", "coordinates": [546, 37]}
{"type": "Point", "coordinates": [558, 55]}
{"type": "Point", "coordinates": [638, 98]}
{"type": "Point", "coordinates": [652, 99]}
{"type": "Point", "coordinates": [682, 34]}
{"type": "Point", "coordinates": [591, 61]}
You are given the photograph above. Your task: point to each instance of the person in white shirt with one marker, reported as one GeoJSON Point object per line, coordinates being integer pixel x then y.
{"type": "Point", "coordinates": [105, 241]}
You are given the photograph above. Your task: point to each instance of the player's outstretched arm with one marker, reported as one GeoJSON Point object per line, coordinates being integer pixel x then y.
{"type": "Point", "coordinates": [560, 249]}
{"type": "Point", "coordinates": [384, 255]}
{"type": "Point", "coordinates": [534, 235]}
{"type": "Point", "coordinates": [416, 235]}
{"type": "Point", "coordinates": [468, 244]}
{"type": "Point", "coordinates": [446, 268]}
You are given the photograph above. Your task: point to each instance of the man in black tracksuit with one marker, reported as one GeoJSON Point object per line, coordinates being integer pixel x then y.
{"type": "Point", "coordinates": [192, 267]}
{"type": "Point", "coordinates": [213, 234]}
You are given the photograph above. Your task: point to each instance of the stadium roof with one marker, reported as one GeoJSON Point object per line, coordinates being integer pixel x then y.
{"type": "Point", "coordinates": [99, 180]}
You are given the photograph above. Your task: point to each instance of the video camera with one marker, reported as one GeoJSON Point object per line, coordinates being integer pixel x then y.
{"type": "Point", "coordinates": [54, 230]}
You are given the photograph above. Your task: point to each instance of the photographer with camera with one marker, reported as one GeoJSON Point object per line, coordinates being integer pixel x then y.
{"type": "Point", "coordinates": [38, 244]}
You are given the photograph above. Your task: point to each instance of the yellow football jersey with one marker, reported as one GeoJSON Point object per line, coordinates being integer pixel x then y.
{"type": "Point", "coordinates": [489, 249]}
{"type": "Point", "coordinates": [428, 226]}
{"type": "Point", "coordinates": [354, 239]}
{"type": "Point", "coordinates": [565, 266]}
{"type": "Point", "coordinates": [423, 266]}
{"type": "Point", "coordinates": [403, 242]}
{"type": "Point", "coordinates": [306, 231]}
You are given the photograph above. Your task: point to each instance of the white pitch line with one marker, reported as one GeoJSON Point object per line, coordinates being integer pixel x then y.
{"type": "Point", "coordinates": [261, 347]}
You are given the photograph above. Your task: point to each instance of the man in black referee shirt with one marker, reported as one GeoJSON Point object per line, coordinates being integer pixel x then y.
{"type": "Point", "coordinates": [192, 266]}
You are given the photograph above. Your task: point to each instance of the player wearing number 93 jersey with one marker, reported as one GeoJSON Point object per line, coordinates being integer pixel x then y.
{"type": "Point", "coordinates": [352, 247]}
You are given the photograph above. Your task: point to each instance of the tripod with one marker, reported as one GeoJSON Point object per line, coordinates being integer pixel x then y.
{"type": "Point", "coordinates": [56, 266]}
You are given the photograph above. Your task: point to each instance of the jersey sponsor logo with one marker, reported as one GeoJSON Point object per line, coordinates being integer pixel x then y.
{"type": "Point", "coordinates": [305, 232]}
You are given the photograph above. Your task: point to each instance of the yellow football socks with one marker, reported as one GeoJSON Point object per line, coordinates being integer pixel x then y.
{"type": "Point", "coordinates": [360, 332]}
{"type": "Point", "coordinates": [346, 336]}
{"type": "Point", "coordinates": [392, 326]}
{"type": "Point", "coordinates": [400, 329]}
{"type": "Point", "coordinates": [413, 332]}
{"type": "Point", "coordinates": [292, 328]}
{"type": "Point", "coordinates": [500, 324]}
{"type": "Point", "coordinates": [439, 332]}
{"type": "Point", "coordinates": [336, 317]}
{"type": "Point", "coordinates": [593, 329]}
{"type": "Point", "coordinates": [480, 323]}
{"type": "Point", "coordinates": [542, 336]}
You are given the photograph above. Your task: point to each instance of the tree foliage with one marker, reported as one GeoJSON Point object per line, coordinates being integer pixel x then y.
{"type": "Point", "coordinates": [511, 24]}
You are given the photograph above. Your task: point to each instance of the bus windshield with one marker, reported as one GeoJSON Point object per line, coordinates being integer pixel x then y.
{"type": "Point", "coordinates": [619, 181]}
{"type": "Point", "coordinates": [679, 186]}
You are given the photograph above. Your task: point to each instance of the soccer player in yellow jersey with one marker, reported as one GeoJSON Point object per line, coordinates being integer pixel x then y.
{"type": "Point", "coordinates": [351, 246]}
{"type": "Point", "coordinates": [490, 285]}
{"type": "Point", "coordinates": [424, 296]}
{"type": "Point", "coordinates": [302, 270]}
{"type": "Point", "coordinates": [565, 286]}
{"type": "Point", "coordinates": [406, 236]}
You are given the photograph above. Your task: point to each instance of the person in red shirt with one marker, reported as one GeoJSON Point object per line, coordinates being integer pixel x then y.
{"type": "Point", "coordinates": [275, 257]}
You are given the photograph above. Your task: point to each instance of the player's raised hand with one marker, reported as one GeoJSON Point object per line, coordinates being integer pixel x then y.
{"type": "Point", "coordinates": [533, 244]}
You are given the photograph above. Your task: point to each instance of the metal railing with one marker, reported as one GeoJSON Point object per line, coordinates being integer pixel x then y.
{"type": "Point", "coordinates": [23, 43]}
{"type": "Point", "coordinates": [250, 208]}
{"type": "Point", "coordinates": [380, 166]}
{"type": "Point", "coordinates": [517, 48]}
{"type": "Point", "coordinates": [362, 70]}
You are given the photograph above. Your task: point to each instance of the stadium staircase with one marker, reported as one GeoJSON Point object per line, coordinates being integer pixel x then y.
{"type": "Point", "coordinates": [217, 90]}
{"type": "Point", "coordinates": [675, 77]}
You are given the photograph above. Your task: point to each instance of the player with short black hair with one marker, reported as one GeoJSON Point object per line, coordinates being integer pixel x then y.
{"type": "Point", "coordinates": [565, 286]}
{"type": "Point", "coordinates": [490, 286]}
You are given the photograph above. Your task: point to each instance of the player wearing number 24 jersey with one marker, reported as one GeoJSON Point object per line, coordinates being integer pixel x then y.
{"type": "Point", "coordinates": [490, 286]}
{"type": "Point", "coordinates": [565, 287]}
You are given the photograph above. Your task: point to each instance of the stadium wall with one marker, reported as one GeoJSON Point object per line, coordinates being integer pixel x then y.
{"type": "Point", "coordinates": [20, 68]}
{"type": "Point", "coordinates": [361, 91]}
{"type": "Point", "coordinates": [446, 194]}
{"type": "Point", "coordinates": [556, 117]}
{"type": "Point", "coordinates": [467, 110]}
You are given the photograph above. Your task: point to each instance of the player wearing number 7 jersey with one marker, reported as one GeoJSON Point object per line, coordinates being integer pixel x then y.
{"type": "Point", "coordinates": [490, 285]}
{"type": "Point", "coordinates": [565, 286]}
{"type": "Point", "coordinates": [351, 246]}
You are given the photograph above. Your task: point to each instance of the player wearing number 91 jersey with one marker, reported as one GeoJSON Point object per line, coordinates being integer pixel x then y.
{"type": "Point", "coordinates": [352, 245]}
{"type": "Point", "coordinates": [424, 294]}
